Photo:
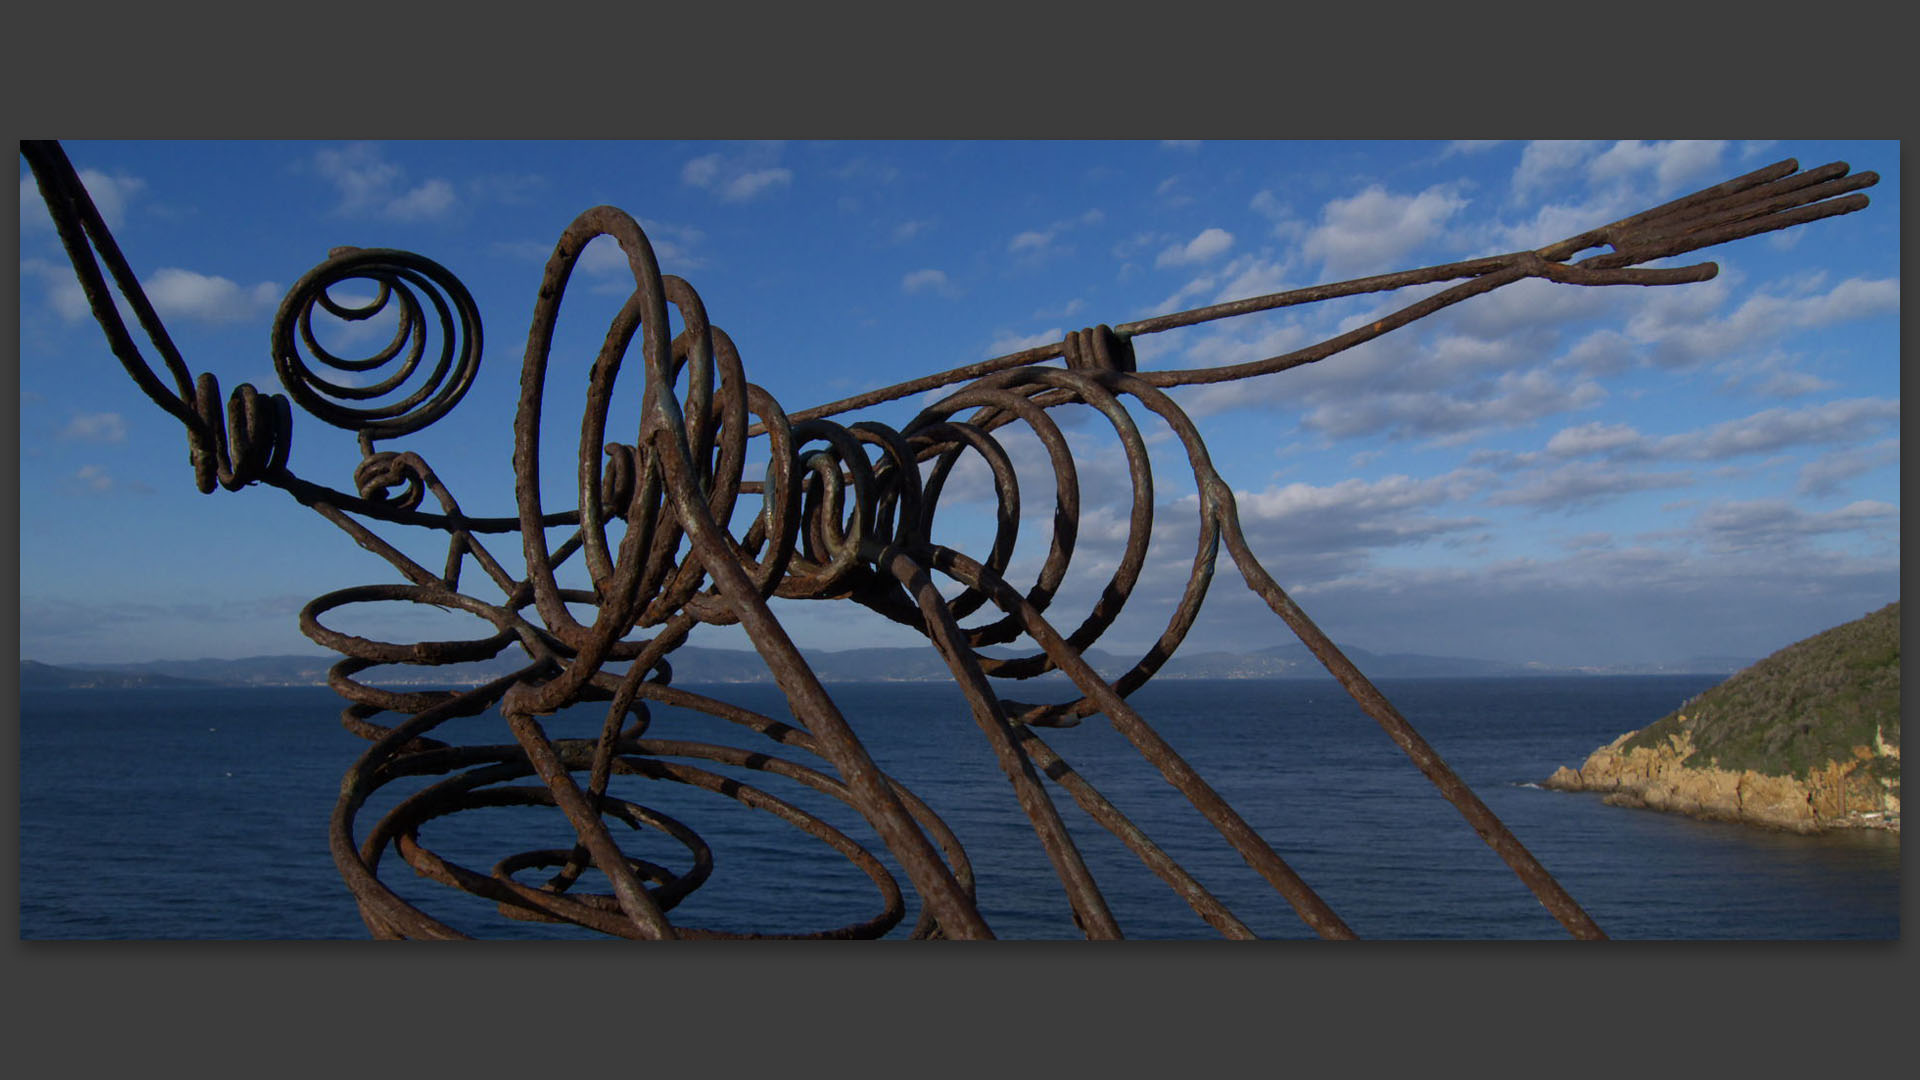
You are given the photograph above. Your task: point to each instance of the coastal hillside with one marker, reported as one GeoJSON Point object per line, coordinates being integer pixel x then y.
{"type": "Point", "coordinates": [37, 676]}
{"type": "Point", "coordinates": [1807, 739]}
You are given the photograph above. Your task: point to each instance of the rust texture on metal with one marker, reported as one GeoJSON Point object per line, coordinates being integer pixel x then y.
{"type": "Point", "coordinates": [845, 512]}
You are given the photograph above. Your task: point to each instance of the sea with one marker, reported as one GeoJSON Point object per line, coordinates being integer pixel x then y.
{"type": "Point", "coordinates": [202, 814]}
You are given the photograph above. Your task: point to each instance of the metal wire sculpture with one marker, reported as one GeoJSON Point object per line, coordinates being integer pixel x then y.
{"type": "Point", "coordinates": [846, 512]}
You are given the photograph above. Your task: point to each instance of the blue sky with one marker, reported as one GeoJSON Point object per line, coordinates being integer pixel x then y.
{"type": "Point", "coordinates": [1548, 473]}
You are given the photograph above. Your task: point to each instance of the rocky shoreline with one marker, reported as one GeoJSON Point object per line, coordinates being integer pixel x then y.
{"type": "Point", "coordinates": [1839, 796]}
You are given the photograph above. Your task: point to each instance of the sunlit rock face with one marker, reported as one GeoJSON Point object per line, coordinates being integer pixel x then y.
{"type": "Point", "coordinates": [1838, 796]}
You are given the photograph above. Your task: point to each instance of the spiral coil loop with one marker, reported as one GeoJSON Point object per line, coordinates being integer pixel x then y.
{"type": "Point", "coordinates": [249, 443]}
{"type": "Point", "coordinates": [420, 394]}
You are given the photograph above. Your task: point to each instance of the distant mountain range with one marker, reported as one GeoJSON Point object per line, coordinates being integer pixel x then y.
{"type": "Point", "coordinates": [692, 664]}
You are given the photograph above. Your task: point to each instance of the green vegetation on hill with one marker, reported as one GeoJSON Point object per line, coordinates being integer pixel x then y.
{"type": "Point", "coordinates": [1816, 701]}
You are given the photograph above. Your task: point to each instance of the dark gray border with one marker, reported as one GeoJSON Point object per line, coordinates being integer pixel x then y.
{"type": "Point", "coordinates": [1136, 72]}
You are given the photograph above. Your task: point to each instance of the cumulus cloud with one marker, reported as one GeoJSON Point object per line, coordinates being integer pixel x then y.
{"type": "Point", "coordinates": [1671, 164]}
{"type": "Point", "coordinates": [673, 248]}
{"type": "Point", "coordinates": [96, 480]}
{"type": "Point", "coordinates": [750, 184]}
{"type": "Point", "coordinates": [1013, 343]}
{"type": "Point", "coordinates": [907, 230]}
{"type": "Point", "coordinates": [371, 186]}
{"type": "Point", "coordinates": [1681, 329]}
{"type": "Point", "coordinates": [186, 294]}
{"type": "Point", "coordinates": [429, 200]}
{"type": "Point", "coordinates": [1209, 245]}
{"type": "Point", "coordinates": [1249, 276]}
{"type": "Point", "coordinates": [1370, 508]}
{"type": "Point", "coordinates": [738, 176]}
{"type": "Point", "coordinates": [701, 171]}
{"type": "Point", "coordinates": [96, 427]}
{"type": "Point", "coordinates": [928, 280]}
{"type": "Point", "coordinates": [1033, 245]}
{"type": "Point", "coordinates": [1543, 163]}
{"type": "Point", "coordinates": [1286, 227]}
{"type": "Point", "coordinates": [111, 196]}
{"type": "Point", "coordinates": [1676, 336]}
{"type": "Point", "coordinates": [62, 290]}
{"type": "Point", "coordinates": [1032, 240]}
{"type": "Point", "coordinates": [1370, 232]}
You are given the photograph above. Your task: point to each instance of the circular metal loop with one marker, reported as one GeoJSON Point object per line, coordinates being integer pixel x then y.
{"type": "Point", "coordinates": [417, 391]}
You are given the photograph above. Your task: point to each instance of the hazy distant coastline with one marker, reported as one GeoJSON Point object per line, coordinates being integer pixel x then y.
{"type": "Point", "coordinates": [692, 664]}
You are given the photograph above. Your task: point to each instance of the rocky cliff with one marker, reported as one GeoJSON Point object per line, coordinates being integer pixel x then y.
{"type": "Point", "coordinates": [1806, 740]}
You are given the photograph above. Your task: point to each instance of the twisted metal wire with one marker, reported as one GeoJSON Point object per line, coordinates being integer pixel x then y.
{"type": "Point", "coordinates": [844, 512]}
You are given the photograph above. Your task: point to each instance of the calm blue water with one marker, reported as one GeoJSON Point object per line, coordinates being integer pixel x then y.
{"type": "Point", "coordinates": [203, 814]}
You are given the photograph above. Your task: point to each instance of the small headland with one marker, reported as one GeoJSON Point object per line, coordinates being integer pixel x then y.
{"type": "Point", "coordinates": [1806, 740]}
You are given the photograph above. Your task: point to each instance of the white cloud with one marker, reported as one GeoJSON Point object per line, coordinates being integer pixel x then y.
{"type": "Point", "coordinates": [740, 176]}
{"type": "Point", "coordinates": [111, 196]}
{"type": "Point", "coordinates": [1034, 245]}
{"type": "Point", "coordinates": [1544, 162]}
{"type": "Point", "coordinates": [1597, 186]}
{"type": "Point", "coordinates": [1452, 415]}
{"type": "Point", "coordinates": [672, 248]}
{"type": "Point", "coordinates": [1371, 231]}
{"type": "Point", "coordinates": [1065, 311]}
{"type": "Point", "coordinates": [96, 480]}
{"type": "Point", "coordinates": [701, 171]}
{"type": "Point", "coordinates": [1685, 328]}
{"type": "Point", "coordinates": [1165, 193]}
{"type": "Point", "coordinates": [1209, 245]}
{"type": "Point", "coordinates": [371, 186]}
{"type": "Point", "coordinates": [673, 244]}
{"type": "Point", "coordinates": [1269, 206]}
{"type": "Point", "coordinates": [1594, 438]}
{"type": "Point", "coordinates": [1248, 276]}
{"type": "Point", "coordinates": [1030, 241]}
{"type": "Point", "coordinates": [1633, 604]}
{"type": "Point", "coordinates": [1771, 376]}
{"type": "Point", "coordinates": [928, 280]}
{"type": "Point", "coordinates": [907, 230]}
{"type": "Point", "coordinates": [430, 200]}
{"type": "Point", "coordinates": [1765, 432]}
{"type": "Point", "coordinates": [185, 294]}
{"type": "Point", "coordinates": [1308, 532]}
{"type": "Point", "coordinates": [1012, 343]}
{"type": "Point", "coordinates": [1581, 483]}
{"type": "Point", "coordinates": [749, 185]}
{"type": "Point", "coordinates": [1672, 164]}
{"type": "Point", "coordinates": [96, 427]}
{"type": "Point", "coordinates": [63, 292]}
{"type": "Point", "coordinates": [1828, 474]}
{"type": "Point", "coordinates": [1775, 429]}
{"type": "Point", "coordinates": [1731, 526]}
